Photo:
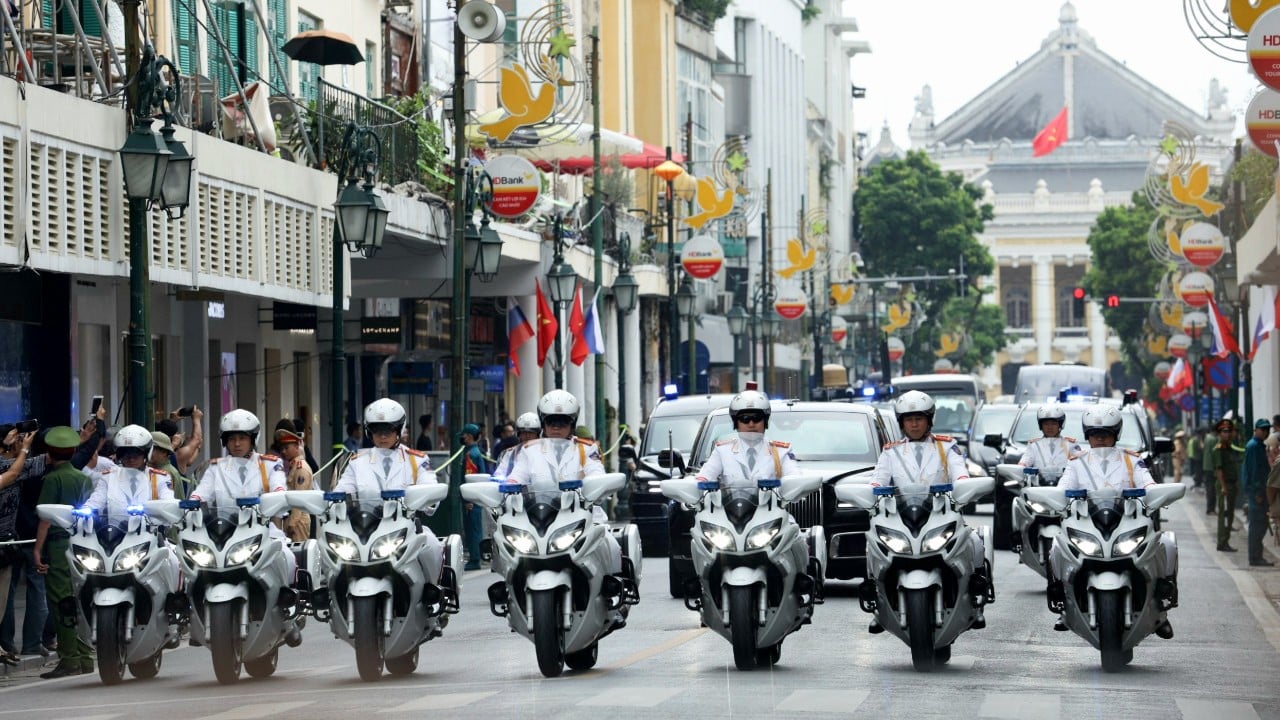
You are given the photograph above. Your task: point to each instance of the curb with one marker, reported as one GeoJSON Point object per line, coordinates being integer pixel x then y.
{"type": "Point", "coordinates": [27, 663]}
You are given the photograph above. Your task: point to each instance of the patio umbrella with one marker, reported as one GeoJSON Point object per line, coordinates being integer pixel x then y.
{"type": "Point", "coordinates": [323, 47]}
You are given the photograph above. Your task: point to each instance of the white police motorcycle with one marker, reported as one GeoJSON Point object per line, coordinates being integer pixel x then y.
{"type": "Point", "coordinates": [126, 585]}
{"type": "Point", "coordinates": [759, 574]}
{"type": "Point", "coordinates": [557, 589]}
{"type": "Point", "coordinates": [921, 582]}
{"type": "Point", "coordinates": [243, 605]}
{"type": "Point", "coordinates": [1035, 525]}
{"type": "Point", "coordinates": [1113, 571]}
{"type": "Point", "coordinates": [369, 581]}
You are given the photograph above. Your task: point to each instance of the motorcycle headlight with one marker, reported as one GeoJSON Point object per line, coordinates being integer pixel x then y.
{"type": "Point", "coordinates": [132, 558]}
{"type": "Point", "coordinates": [88, 559]}
{"type": "Point", "coordinates": [564, 538]}
{"type": "Point", "coordinates": [342, 547]}
{"type": "Point", "coordinates": [937, 538]}
{"type": "Point", "coordinates": [521, 541]}
{"type": "Point", "coordinates": [242, 551]}
{"type": "Point", "coordinates": [895, 540]}
{"type": "Point", "coordinates": [390, 544]}
{"type": "Point", "coordinates": [761, 535]}
{"type": "Point", "coordinates": [1127, 543]}
{"type": "Point", "coordinates": [718, 537]}
{"type": "Point", "coordinates": [1084, 543]}
{"type": "Point", "coordinates": [201, 555]}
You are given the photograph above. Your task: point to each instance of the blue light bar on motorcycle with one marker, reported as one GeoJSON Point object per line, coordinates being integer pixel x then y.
{"type": "Point", "coordinates": [135, 510]}
{"type": "Point", "coordinates": [869, 391]}
{"type": "Point", "coordinates": [570, 484]}
{"type": "Point", "coordinates": [392, 494]}
{"type": "Point", "coordinates": [1133, 492]}
{"type": "Point", "coordinates": [884, 491]}
{"type": "Point", "coordinates": [189, 504]}
{"type": "Point", "coordinates": [941, 488]}
{"type": "Point", "coordinates": [335, 496]}
{"type": "Point", "coordinates": [510, 488]}
{"type": "Point", "coordinates": [708, 485]}
{"type": "Point", "coordinates": [1030, 471]}
{"type": "Point", "coordinates": [82, 512]}
{"type": "Point", "coordinates": [247, 502]}
{"type": "Point", "coordinates": [768, 483]}
{"type": "Point", "coordinates": [1076, 494]}
{"type": "Point", "coordinates": [671, 391]}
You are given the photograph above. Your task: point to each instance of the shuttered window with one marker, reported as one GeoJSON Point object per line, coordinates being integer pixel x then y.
{"type": "Point", "coordinates": [308, 84]}
{"type": "Point", "coordinates": [184, 23]}
{"type": "Point", "coordinates": [240, 33]}
{"type": "Point", "coordinates": [88, 18]}
{"type": "Point", "coordinates": [278, 18]}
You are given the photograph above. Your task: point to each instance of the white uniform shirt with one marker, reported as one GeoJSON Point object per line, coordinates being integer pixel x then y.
{"type": "Point", "coordinates": [223, 483]}
{"type": "Point", "coordinates": [507, 461]}
{"type": "Point", "coordinates": [731, 464]}
{"type": "Point", "coordinates": [940, 461]}
{"type": "Point", "coordinates": [1044, 452]}
{"type": "Point", "coordinates": [543, 462]}
{"type": "Point", "coordinates": [103, 467]}
{"type": "Point", "coordinates": [1111, 467]}
{"type": "Point", "coordinates": [367, 473]}
{"type": "Point", "coordinates": [121, 487]}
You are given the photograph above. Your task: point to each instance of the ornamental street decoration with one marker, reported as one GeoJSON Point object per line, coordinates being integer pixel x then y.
{"type": "Point", "coordinates": [1158, 345]}
{"type": "Point", "coordinates": [545, 55]}
{"type": "Point", "coordinates": [1262, 120]}
{"type": "Point", "coordinates": [839, 329]}
{"type": "Point", "coordinates": [842, 294]}
{"type": "Point", "coordinates": [1195, 289]}
{"type": "Point", "coordinates": [712, 203]}
{"type": "Point", "coordinates": [702, 257]}
{"type": "Point", "coordinates": [899, 317]}
{"type": "Point", "coordinates": [1202, 244]}
{"type": "Point", "coordinates": [1163, 369]}
{"type": "Point", "coordinates": [1193, 323]}
{"type": "Point", "coordinates": [949, 344]}
{"type": "Point", "coordinates": [516, 185]}
{"type": "Point", "coordinates": [896, 349]}
{"type": "Point", "coordinates": [1263, 48]}
{"type": "Point", "coordinates": [791, 304]}
{"type": "Point", "coordinates": [798, 258]}
{"type": "Point", "coordinates": [1178, 345]}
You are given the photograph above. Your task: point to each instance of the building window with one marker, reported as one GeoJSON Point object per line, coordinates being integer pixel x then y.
{"type": "Point", "coordinates": [1066, 280]}
{"type": "Point", "coordinates": [308, 73]}
{"type": "Point", "coordinates": [240, 33]}
{"type": "Point", "coordinates": [1017, 306]}
{"type": "Point", "coordinates": [370, 67]}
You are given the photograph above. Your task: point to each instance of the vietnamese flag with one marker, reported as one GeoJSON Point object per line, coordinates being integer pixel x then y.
{"type": "Point", "coordinates": [1053, 135]}
{"type": "Point", "coordinates": [577, 326]}
{"type": "Point", "coordinates": [548, 326]}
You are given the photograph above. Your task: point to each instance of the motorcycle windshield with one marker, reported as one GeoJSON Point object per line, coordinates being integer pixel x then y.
{"type": "Point", "coordinates": [915, 504]}
{"type": "Point", "coordinates": [740, 505]}
{"type": "Point", "coordinates": [1106, 510]}
{"type": "Point", "coordinates": [1049, 477]}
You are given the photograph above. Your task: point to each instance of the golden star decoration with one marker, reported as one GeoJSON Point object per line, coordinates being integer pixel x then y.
{"type": "Point", "coordinates": [560, 43]}
{"type": "Point", "coordinates": [737, 162]}
{"type": "Point", "coordinates": [1169, 145]}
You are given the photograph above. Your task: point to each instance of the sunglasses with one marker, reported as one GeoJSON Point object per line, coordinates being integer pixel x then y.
{"type": "Point", "coordinates": [557, 422]}
{"type": "Point", "coordinates": [751, 418]}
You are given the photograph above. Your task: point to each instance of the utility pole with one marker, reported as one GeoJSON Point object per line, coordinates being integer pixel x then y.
{"type": "Point", "coordinates": [767, 269]}
{"type": "Point", "coordinates": [691, 370]}
{"type": "Point", "coordinates": [139, 377]}
{"type": "Point", "coordinates": [597, 232]}
{"type": "Point", "coordinates": [451, 513]}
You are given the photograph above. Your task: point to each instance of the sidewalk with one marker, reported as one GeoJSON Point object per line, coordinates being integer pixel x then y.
{"type": "Point", "coordinates": [29, 664]}
{"type": "Point", "coordinates": [1267, 578]}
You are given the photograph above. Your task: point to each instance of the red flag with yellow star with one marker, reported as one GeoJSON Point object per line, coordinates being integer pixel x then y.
{"type": "Point", "coordinates": [1053, 135]}
{"type": "Point", "coordinates": [548, 326]}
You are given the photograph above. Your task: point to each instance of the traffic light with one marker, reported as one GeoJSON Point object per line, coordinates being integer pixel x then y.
{"type": "Point", "coordinates": [1113, 301]}
{"type": "Point", "coordinates": [1078, 296]}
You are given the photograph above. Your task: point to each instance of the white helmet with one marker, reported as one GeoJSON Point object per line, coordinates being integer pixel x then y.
{"type": "Point", "coordinates": [913, 402]}
{"type": "Point", "coordinates": [558, 402]}
{"type": "Point", "coordinates": [236, 421]}
{"type": "Point", "coordinates": [528, 422]}
{"type": "Point", "coordinates": [749, 400]}
{"type": "Point", "coordinates": [134, 437]}
{"type": "Point", "coordinates": [1051, 411]}
{"type": "Point", "coordinates": [384, 411]}
{"type": "Point", "coordinates": [1102, 418]}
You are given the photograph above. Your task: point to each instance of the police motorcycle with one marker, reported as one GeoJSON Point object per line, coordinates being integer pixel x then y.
{"type": "Point", "coordinates": [1035, 525]}
{"type": "Point", "coordinates": [1113, 569]}
{"type": "Point", "coordinates": [243, 605]}
{"type": "Point", "coordinates": [921, 581]}
{"type": "Point", "coordinates": [758, 573]}
{"type": "Point", "coordinates": [557, 589]}
{"type": "Point", "coordinates": [370, 582]}
{"type": "Point", "coordinates": [126, 584]}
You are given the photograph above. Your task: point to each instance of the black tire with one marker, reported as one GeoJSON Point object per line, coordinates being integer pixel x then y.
{"type": "Point", "coordinates": [148, 668]}
{"type": "Point", "coordinates": [1002, 524]}
{"type": "Point", "coordinates": [224, 642]}
{"type": "Point", "coordinates": [920, 628]}
{"type": "Point", "coordinates": [676, 580]}
{"type": "Point", "coordinates": [942, 655]}
{"type": "Point", "coordinates": [548, 637]}
{"type": "Point", "coordinates": [368, 637]}
{"type": "Point", "coordinates": [742, 626]}
{"type": "Point", "coordinates": [583, 659]}
{"type": "Point", "coordinates": [264, 666]}
{"type": "Point", "coordinates": [111, 644]}
{"type": "Point", "coordinates": [1111, 630]}
{"type": "Point", "coordinates": [403, 665]}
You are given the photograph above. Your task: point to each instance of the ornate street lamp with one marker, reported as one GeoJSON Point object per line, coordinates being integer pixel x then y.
{"type": "Point", "coordinates": [562, 280]}
{"type": "Point", "coordinates": [144, 158]}
{"type": "Point", "coordinates": [737, 318]}
{"type": "Point", "coordinates": [685, 299]}
{"type": "Point", "coordinates": [362, 217]}
{"type": "Point", "coordinates": [489, 253]}
{"type": "Point", "coordinates": [669, 171]}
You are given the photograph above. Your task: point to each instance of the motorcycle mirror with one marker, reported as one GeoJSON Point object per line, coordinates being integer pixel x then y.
{"type": "Point", "coordinates": [682, 490]}
{"type": "Point", "coordinates": [671, 459]}
{"type": "Point", "coordinates": [63, 516]}
{"type": "Point", "coordinates": [995, 441]}
{"type": "Point", "coordinates": [312, 502]}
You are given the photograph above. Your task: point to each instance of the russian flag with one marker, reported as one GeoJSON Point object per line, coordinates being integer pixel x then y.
{"type": "Point", "coordinates": [1266, 321]}
{"type": "Point", "coordinates": [519, 332]}
{"type": "Point", "coordinates": [1224, 336]}
{"type": "Point", "coordinates": [592, 330]}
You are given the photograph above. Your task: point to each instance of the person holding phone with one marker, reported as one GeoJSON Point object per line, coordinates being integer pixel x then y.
{"type": "Point", "coordinates": [186, 448]}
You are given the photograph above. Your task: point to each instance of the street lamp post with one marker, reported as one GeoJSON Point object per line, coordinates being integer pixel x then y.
{"type": "Point", "coordinates": [669, 171]}
{"type": "Point", "coordinates": [625, 294]}
{"type": "Point", "coordinates": [737, 318]}
{"type": "Point", "coordinates": [562, 280]}
{"type": "Point", "coordinates": [685, 306]}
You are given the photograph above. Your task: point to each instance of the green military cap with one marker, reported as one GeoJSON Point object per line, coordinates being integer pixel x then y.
{"type": "Point", "coordinates": [62, 437]}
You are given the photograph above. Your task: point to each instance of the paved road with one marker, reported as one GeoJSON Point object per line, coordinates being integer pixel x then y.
{"type": "Point", "coordinates": [1223, 664]}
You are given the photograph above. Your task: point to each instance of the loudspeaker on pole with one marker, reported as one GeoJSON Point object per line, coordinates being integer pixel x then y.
{"type": "Point", "coordinates": [481, 21]}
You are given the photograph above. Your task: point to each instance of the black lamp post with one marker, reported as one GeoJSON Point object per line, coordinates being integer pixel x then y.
{"type": "Point", "coordinates": [626, 292]}
{"type": "Point", "coordinates": [669, 171]}
{"type": "Point", "coordinates": [737, 317]}
{"type": "Point", "coordinates": [685, 306]}
{"type": "Point", "coordinates": [562, 280]}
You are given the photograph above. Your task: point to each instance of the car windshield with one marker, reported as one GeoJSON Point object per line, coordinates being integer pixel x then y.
{"type": "Point", "coordinates": [818, 435]}
{"type": "Point", "coordinates": [952, 414]}
{"type": "Point", "coordinates": [1130, 435]}
{"type": "Point", "coordinates": [994, 420]}
{"type": "Point", "coordinates": [682, 429]}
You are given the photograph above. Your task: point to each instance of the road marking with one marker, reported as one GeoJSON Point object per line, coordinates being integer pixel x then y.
{"type": "Point", "coordinates": [444, 701]}
{"type": "Point", "coordinates": [828, 701]}
{"type": "Point", "coordinates": [1016, 706]}
{"type": "Point", "coordinates": [1216, 710]}
{"type": "Point", "coordinates": [962, 662]}
{"type": "Point", "coordinates": [1254, 598]}
{"type": "Point", "coordinates": [98, 717]}
{"type": "Point", "coordinates": [260, 710]}
{"type": "Point", "coordinates": [632, 697]}
{"type": "Point", "coordinates": [647, 653]}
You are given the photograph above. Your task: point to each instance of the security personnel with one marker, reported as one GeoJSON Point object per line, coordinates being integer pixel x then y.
{"type": "Point", "coordinates": [748, 457]}
{"type": "Point", "coordinates": [1222, 463]}
{"type": "Point", "coordinates": [528, 427]}
{"type": "Point", "coordinates": [474, 462]}
{"type": "Point", "coordinates": [63, 485]}
{"type": "Point", "coordinates": [1104, 465]}
{"type": "Point", "coordinates": [133, 482]}
{"type": "Point", "coordinates": [1052, 450]}
{"type": "Point", "coordinates": [162, 459]}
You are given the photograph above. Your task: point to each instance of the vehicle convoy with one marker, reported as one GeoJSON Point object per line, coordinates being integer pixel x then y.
{"type": "Point", "coordinates": [1035, 525]}
{"type": "Point", "coordinates": [955, 396]}
{"type": "Point", "coordinates": [1039, 383]}
{"type": "Point", "coordinates": [557, 589]}
{"type": "Point", "coordinates": [758, 574]}
{"type": "Point", "coordinates": [921, 584]}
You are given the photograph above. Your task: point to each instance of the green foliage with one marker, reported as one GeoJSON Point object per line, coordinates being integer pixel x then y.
{"type": "Point", "coordinates": [705, 11]}
{"type": "Point", "coordinates": [983, 322]}
{"type": "Point", "coordinates": [433, 153]}
{"type": "Point", "coordinates": [809, 12]}
{"type": "Point", "coordinates": [616, 184]}
{"type": "Point", "coordinates": [1256, 173]}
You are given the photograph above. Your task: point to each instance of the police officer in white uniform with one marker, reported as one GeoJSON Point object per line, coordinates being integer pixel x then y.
{"type": "Point", "coordinates": [528, 427]}
{"type": "Point", "coordinates": [923, 458]}
{"type": "Point", "coordinates": [1052, 450]}
{"type": "Point", "coordinates": [1104, 465]}
{"type": "Point", "coordinates": [132, 483]}
{"type": "Point", "coordinates": [742, 460]}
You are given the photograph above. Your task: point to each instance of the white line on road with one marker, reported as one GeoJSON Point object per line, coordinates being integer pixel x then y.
{"type": "Point", "coordinates": [1215, 710]}
{"type": "Point", "coordinates": [823, 701]}
{"type": "Point", "coordinates": [258, 710]}
{"type": "Point", "coordinates": [1016, 706]}
{"type": "Point", "coordinates": [649, 652]}
{"type": "Point", "coordinates": [444, 701]}
{"type": "Point", "coordinates": [98, 717]}
{"type": "Point", "coordinates": [632, 697]}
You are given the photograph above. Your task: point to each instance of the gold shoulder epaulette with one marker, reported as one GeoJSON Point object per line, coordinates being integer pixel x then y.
{"type": "Point", "coordinates": [779, 443]}
{"type": "Point", "coordinates": [268, 456]}
{"type": "Point", "coordinates": [415, 453]}
{"type": "Point", "coordinates": [723, 442]}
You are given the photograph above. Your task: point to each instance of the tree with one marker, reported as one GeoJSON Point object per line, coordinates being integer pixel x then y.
{"type": "Point", "coordinates": [914, 219]}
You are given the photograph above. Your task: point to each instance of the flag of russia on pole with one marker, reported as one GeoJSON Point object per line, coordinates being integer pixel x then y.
{"type": "Point", "coordinates": [591, 329]}
{"type": "Point", "coordinates": [1224, 336]}
{"type": "Point", "coordinates": [519, 332]}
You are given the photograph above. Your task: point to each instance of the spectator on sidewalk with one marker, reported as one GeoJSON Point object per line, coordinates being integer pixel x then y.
{"type": "Point", "coordinates": [426, 441]}
{"type": "Point", "coordinates": [1195, 452]}
{"type": "Point", "coordinates": [1179, 454]}
{"type": "Point", "coordinates": [1224, 462]}
{"type": "Point", "coordinates": [1207, 469]}
{"type": "Point", "coordinates": [1253, 483]}
{"type": "Point", "coordinates": [1273, 484]}
{"type": "Point", "coordinates": [162, 459]}
{"type": "Point", "coordinates": [472, 517]}
{"type": "Point", "coordinates": [355, 437]}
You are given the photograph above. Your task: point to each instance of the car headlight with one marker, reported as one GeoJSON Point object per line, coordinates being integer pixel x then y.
{"type": "Point", "coordinates": [1127, 543]}
{"type": "Point", "coordinates": [1084, 543]}
{"type": "Point", "coordinates": [390, 544]}
{"type": "Point", "coordinates": [90, 560]}
{"type": "Point", "coordinates": [719, 538]}
{"type": "Point", "coordinates": [132, 558]}
{"type": "Point", "coordinates": [564, 538]}
{"type": "Point", "coordinates": [242, 551]}
{"type": "Point", "coordinates": [762, 535]}
{"type": "Point", "coordinates": [895, 540]}
{"type": "Point", "coordinates": [975, 469]}
{"type": "Point", "coordinates": [1038, 507]}
{"type": "Point", "coordinates": [201, 555]}
{"type": "Point", "coordinates": [937, 538]}
{"type": "Point", "coordinates": [344, 548]}
{"type": "Point", "coordinates": [521, 541]}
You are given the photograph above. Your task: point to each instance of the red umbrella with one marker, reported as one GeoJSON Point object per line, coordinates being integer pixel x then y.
{"type": "Point", "coordinates": [648, 158]}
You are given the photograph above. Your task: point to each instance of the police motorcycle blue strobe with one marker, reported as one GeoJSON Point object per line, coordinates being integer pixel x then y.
{"type": "Point", "coordinates": [928, 573]}
{"type": "Point", "coordinates": [1034, 524]}
{"type": "Point", "coordinates": [758, 573]}
{"type": "Point", "coordinates": [1114, 575]}
{"type": "Point", "coordinates": [569, 578]}
{"type": "Point", "coordinates": [236, 563]}
{"type": "Point", "coordinates": [388, 584]}
{"type": "Point", "coordinates": [124, 573]}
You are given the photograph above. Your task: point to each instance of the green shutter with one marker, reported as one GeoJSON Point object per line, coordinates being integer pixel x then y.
{"type": "Point", "coordinates": [185, 27]}
{"type": "Point", "coordinates": [227, 20]}
{"type": "Point", "coordinates": [278, 12]}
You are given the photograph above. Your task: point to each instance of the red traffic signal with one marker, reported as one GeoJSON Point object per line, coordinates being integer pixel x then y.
{"type": "Point", "coordinates": [1078, 293]}
{"type": "Point", "coordinates": [1113, 301]}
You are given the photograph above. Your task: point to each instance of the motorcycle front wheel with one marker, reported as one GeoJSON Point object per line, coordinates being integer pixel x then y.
{"type": "Point", "coordinates": [368, 637]}
{"type": "Point", "coordinates": [742, 626]}
{"type": "Point", "coordinates": [1110, 630]}
{"type": "Point", "coordinates": [548, 638]}
{"type": "Point", "coordinates": [920, 628]}
{"type": "Point", "coordinates": [224, 642]}
{"type": "Point", "coordinates": [111, 645]}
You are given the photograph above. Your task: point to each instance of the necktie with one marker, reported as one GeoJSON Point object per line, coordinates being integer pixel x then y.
{"type": "Point", "coordinates": [133, 487]}
{"type": "Point", "coordinates": [244, 470]}
{"type": "Point", "coordinates": [919, 454]}
{"type": "Point", "coordinates": [560, 452]}
{"type": "Point", "coordinates": [386, 466]}
{"type": "Point", "coordinates": [751, 459]}
{"type": "Point", "coordinates": [1104, 467]}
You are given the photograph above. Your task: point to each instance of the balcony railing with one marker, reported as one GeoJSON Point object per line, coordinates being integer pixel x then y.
{"type": "Point", "coordinates": [336, 106]}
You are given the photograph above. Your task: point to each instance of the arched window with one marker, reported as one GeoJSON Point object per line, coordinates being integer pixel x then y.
{"type": "Point", "coordinates": [1017, 306]}
{"type": "Point", "coordinates": [1067, 316]}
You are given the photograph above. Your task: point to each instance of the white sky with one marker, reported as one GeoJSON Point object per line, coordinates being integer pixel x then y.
{"type": "Point", "coordinates": [961, 48]}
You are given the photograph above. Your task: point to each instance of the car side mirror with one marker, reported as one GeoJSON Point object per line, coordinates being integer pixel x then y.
{"type": "Point", "coordinates": [627, 453]}
{"type": "Point", "coordinates": [995, 441]}
{"type": "Point", "coordinates": [1162, 446]}
{"type": "Point", "coordinates": [671, 459]}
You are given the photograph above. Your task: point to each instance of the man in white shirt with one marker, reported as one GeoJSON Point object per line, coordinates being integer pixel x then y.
{"type": "Point", "coordinates": [748, 457]}
{"type": "Point", "coordinates": [132, 483]}
{"type": "Point", "coordinates": [1051, 451]}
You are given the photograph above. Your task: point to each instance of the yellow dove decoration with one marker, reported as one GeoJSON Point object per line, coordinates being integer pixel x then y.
{"type": "Point", "coordinates": [1191, 192]}
{"type": "Point", "coordinates": [1171, 314]}
{"type": "Point", "coordinates": [799, 258]}
{"type": "Point", "coordinates": [947, 345]}
{"type": "Point", "coordinates": [1158, 345]}
{"type": "Point", "coordinates": [841, 294]}
{"type": "Point", "coordinates": [1244, 13]}
{"type": "Point", "coordinates": [1175, 243]}
{"type": "Point", "coordinates": [516, 94]}
{"type": "Point", "coordinates": [899, 317]}
{"type": "Point", "coordinates": [713, 204]}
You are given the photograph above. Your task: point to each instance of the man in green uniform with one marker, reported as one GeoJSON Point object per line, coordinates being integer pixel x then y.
{"type": "Point", "coordinates": [161, 459]}
{"type": "Point", "coordinates": [63, 485]}
{"type": "Point", "coordinates": [1224, 463]}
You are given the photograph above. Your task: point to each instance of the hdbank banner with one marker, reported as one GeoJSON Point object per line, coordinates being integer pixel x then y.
{"type": "Point", "coordinates": [1264, 48]}
{"type": "Point", "coordinates": [1262, 120]}
{"type": "Point", "coordinates": [516, 185]}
